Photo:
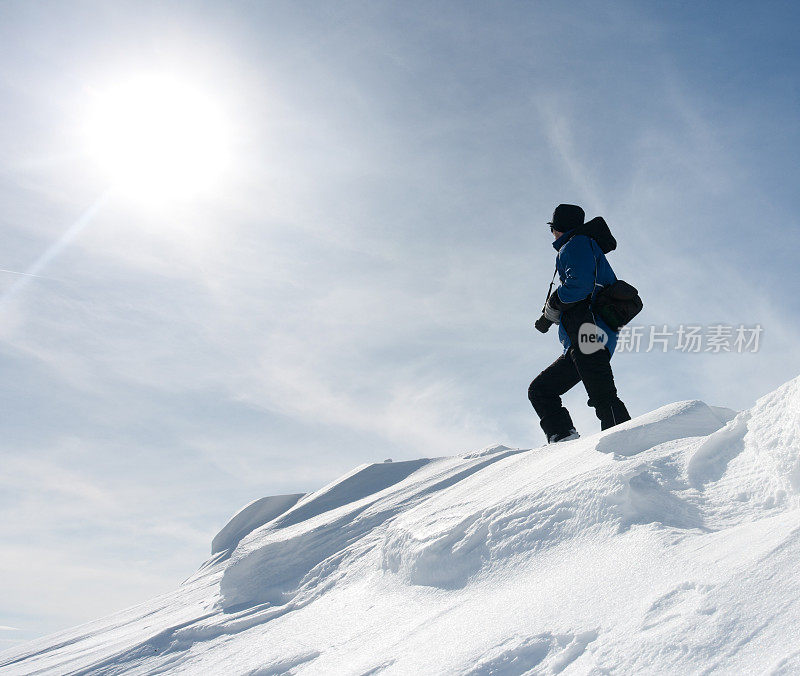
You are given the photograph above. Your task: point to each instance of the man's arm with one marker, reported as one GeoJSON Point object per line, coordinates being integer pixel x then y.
{"type": "Point", "coordinates": [578, 261]}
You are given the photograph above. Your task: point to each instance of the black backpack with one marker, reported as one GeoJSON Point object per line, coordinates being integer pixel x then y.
{"type": "Point", "coordinates": [598, 230]}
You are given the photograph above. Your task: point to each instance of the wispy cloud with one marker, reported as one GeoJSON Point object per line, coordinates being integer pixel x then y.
{"type": "Point", "coordinates": [558, 124]}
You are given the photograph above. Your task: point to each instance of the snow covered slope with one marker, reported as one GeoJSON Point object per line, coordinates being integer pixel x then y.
{"type": "Point", "coordinates": [669, 544]}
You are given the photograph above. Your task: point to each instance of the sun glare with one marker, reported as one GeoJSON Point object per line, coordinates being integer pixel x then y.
{"type": "Point", "coordinates": [158, 138]}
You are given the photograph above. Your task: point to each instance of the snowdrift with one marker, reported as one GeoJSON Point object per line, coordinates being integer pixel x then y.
{"type": "Point", "coordinates": [668, 544]}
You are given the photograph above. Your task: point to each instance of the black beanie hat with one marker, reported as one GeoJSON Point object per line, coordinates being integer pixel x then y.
{"type": "Point", "coordinates": [567, 217]}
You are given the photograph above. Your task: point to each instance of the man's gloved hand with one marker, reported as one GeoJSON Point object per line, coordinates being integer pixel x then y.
{"type": "Point", "coordinates": [552, 309]}
{"type": "Point", "coordinates": [543, 324]}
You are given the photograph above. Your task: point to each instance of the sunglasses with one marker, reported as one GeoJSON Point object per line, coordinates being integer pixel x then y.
{"type": "Point", "coordinates": [552, 228]}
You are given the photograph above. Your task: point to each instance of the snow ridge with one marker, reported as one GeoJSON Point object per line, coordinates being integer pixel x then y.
{"type": "Point", "coordinates": [250, 517]}
{"type": "Point", "coordinates": [667, 544]}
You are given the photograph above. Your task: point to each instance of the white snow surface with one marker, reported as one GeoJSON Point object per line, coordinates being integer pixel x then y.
{"type": "Point", "coordinates": [668, 544]}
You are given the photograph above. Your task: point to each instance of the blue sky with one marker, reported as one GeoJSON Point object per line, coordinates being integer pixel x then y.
{"type": "Point", "coordinates": [361, 282]}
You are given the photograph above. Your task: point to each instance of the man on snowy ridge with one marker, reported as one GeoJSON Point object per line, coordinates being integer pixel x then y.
{"type": "Point", "coordinates": [588, 341]}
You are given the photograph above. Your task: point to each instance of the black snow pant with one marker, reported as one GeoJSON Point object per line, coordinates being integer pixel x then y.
{"type": "Point", "coordinates": [562, 375]}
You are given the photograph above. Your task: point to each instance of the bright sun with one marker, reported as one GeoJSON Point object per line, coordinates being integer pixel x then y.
{"type": "Point", "coordinates": [158, 138]}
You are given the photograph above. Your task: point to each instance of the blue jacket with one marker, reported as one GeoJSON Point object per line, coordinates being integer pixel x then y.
{"type": "Point", "coordinates": [575, 262]}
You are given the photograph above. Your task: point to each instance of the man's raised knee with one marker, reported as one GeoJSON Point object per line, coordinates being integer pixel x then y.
{"type": "Point", "coordinates": [532, 391]}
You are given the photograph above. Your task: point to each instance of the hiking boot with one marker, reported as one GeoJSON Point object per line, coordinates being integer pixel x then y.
{"type": "Point", "coordinates": [563, 436]}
